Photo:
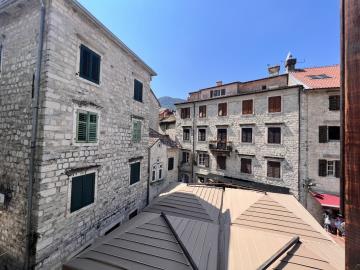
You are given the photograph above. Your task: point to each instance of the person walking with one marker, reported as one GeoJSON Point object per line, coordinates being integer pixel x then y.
{"type": "Point", "coordinates": [327, 222]}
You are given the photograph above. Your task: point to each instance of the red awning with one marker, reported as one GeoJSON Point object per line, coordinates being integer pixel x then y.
{"type": "Point", "coordinates": [327, 200]}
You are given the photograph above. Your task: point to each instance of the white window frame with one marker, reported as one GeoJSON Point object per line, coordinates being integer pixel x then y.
{"type": "Point", "coordinates": [188, 157]}
{"type": "Point", "coordinates": [252, 134]}
{"type": "Point", "coordinates": [68, 206]}
{"type": "Point", "coordinates": [199, 134]}
{"type": "Point", "coordinates": [138, 182]}
{"type": "Point", "coordinates": [329, 164]}
{"type": "Point", "coordinates": [153, 173]}
{"type": "Point", "coordinates": [160, 168]}
{"type": "Point", "coordinates": [78, 108]}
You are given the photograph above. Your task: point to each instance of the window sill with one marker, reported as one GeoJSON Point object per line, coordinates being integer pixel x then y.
{"type": "Point", "coordinates": [140, 101]}
{"type": "Point", "coordinates": [98, 85]}
{"type": "Point", "coordinates": [79, 211]}
{"type": "Point", "coordinates": [82, 144]}
{"type": "Point", "coordinates": [273, 178]}
{"type": "Point", "coordinates": [157, 181]}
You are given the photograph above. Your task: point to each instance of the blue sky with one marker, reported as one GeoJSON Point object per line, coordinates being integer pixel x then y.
{"type": "Point", "coordinates": [191, 44]}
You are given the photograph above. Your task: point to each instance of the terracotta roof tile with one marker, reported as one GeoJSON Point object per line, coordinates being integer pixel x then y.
{"type": "Point", "coordinates": [310, 77]}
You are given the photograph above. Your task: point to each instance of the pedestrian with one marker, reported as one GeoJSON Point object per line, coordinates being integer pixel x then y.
{"type": "Point", "coordinates": [337, 226]}
{"type": "Point", "coordinates": [327, 222]}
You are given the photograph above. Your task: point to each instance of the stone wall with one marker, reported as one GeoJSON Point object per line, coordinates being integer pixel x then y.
{"type": "Point", "coordinates": [19, 31]}
{"type": "Point", "coordinates": [288, 119]}
{"type": "Point", "coordinates": [154, 112]}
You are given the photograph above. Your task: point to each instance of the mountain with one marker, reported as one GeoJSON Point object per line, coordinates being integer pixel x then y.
{"type": "Point", "coordinates": [168, 102]}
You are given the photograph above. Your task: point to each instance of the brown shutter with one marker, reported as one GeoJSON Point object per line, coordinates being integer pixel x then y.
{"type": "Point", "coordinates": [274, 104]}
{"type": "Point", "coordinates": [247, 106]}
{"type": "Point", "coordinates": [224, 109]}
{"type": "Point", "coordinates": [322, 167]}
{"type": "Point", "coordinates": [323, 136]}
{"type": "Point", "coordinates": [337, 168]}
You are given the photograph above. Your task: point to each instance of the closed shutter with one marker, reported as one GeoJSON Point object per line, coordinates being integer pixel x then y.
{"type": "Point", "coordinates": [274, 104]}
{"type": "Point", "coordinates": [84, 62]}
{"type": "Point", "coordinates": [82, 125]}
{"type": "Point", "coordinates": [76, 193]}
{"type": "Point", "coordinates": [88, 189]}
{"type": "Point", "coordinates": [323, 134]}
{"type": "Point", "coordinates": [138, 90]}
{"type": "Point", "coordinates": [134, 173]}
{"type": "Point", "coordinates": [337, 168]}
{"type": "Point", "coordinates": [224, 109]}
{"type": "Point", "coordinates": [247, 106]}
{"type": "Point", "coordinates": [136, 136]}
{"type": "Point", "coordinates": [92, 127]}
{"type": "Point", "coordinates": [322, 167]}
{"type": "Point", "coordinates": [334, 103]}
{"type": "Point", "coordinates": [95, 67]}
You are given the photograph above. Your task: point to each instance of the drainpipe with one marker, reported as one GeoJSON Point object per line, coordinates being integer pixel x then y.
{"type": "Point", "coordinates": [34, 122]}
{"type": "Point", "coordinates": [193, 144]}
{"type": "Point", "coordinates": [148, 180]}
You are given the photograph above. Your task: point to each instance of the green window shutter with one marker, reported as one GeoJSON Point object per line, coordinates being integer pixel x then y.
{"type": "Point", "coordinates": [82, 130]}
{"type": "Point", "coordinates": [95, 68]}
{"type": "Point", "coordinates": [76, 193]}
{"type": "Point", "coordinates": [323, 134]}
{"type": "Point", "coordinates": [92, 127]}
{"type": "Point", "coordinates": [134, 173]}
{"type": "Point", "coordinates": [136, 135]}
{"type": "Point", "coordinates": [322, 167]}
{"type": "Point", "coordinates": [88, 189]}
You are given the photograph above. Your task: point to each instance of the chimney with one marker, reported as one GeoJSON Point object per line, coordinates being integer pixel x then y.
{"type": "Point", "coordinates": [274, 70]}
{"type": "Point", "coordinates": [218, 83]}
{"type": "Point", "coordinates": [290, 63]}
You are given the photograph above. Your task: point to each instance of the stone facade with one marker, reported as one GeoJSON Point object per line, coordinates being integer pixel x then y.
{"type": "Point", "coordinates": [259, 151]}
{"type": "Point", "coordinates": [60, 232]}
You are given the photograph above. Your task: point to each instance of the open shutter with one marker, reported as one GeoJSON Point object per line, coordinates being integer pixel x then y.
{"type": "Point", "coordinates": [82, 127]}
{"type": "Point", "coordinates": [76, 193]}
{"type": "Point", "coordinates": [95, 68]}
{"type": "Point", "coordinates": [134, 172]}
{"type": "Point", "coordinates": [322, 167]}
{"type": "Point", "coordinates": [93, 120]}
{"type": "Point", "coordinates": [337, 168]}
{"type": "Point", "coordinates": [88, 189]}
{"type": "Point", "coordinates": [84, 62]}
{"type": "Point", "coordinates": [323, 134]}
{"type": "Point", "coordinates": [211, 93]}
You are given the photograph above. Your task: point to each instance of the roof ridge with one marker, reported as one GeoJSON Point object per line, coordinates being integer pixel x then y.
{"type": "Point", "coordinates": [313, 67]}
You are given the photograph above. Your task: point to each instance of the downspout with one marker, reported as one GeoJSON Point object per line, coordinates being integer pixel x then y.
{"type": "Point", "coordinates": [299, 148]}
{"type": "Point", "coordinates": [34, 124]}
{"type": "Point", "coordinates": [148, 180]}
{"type": "Point", "coordinates": [342, 106]}
{"type": "Point", "coordinates": [193, 144]}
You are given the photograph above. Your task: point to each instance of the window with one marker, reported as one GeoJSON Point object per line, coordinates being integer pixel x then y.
{"type": "Point", "coordinates": [203, 160]}
{"type": "Point", "coordinates": [185, 113]}
{"type": "Point", "coordinates": [334, 103]}
{"type": "Point", "coordinates": [202, 111]}
{"type": "Point", "coordinates": [89, 65]}
{"type": "Point", "coordinates": [136, 132]}
{"type": "Point", "coordinates": [334, 133]}
{"type": "Point", "coordinates": [1, 50]}
{"type": "Point", "coordinates": [222, 109]}
{"type": "Point", "coordinates": [185, 157]}
{"type": "Point", "coordinates": [263, 87]}
{"type": "Point", "coordinates": [86, 127]}
{"type": "Point", "coordinates": [133, 214]}
{"type": "Point", "coordinates": [331, 133]}
{"type": "Point", "coordinates": [246, 135]}
{"type": "Point", "coordinates": [160, 172]}
{"type": "Point", "coordinates": [138, 91]}
{"type": "Point", "coordinates": [134, 173]}
{"type": "Point", "coordinates": [329, 168]}
{"type": "Point", "coordinates": [217, 93]}
{"type": "Point", "coordinates": [153, 176]}
{"type": "Point", "coordinates": [202, 134]}
{"type": "Point", "coordinates": [274, 104]}
{"type": "Point", "coordinates": [319, 77]}
{"type": "Point", "coordinates": [246, 165]}
{"type": "Point", "coordinates": [221, 162]}
{"type": "Point", "coordinates": [274, 135]}
{"type": "Point", "coordinates": [170, 164]}
{"type": "Point", "coordinates": [186, 134]}
{"type": "Point", "coordinates": [273, 169]}
{"type": "Point", "coordinates": [82, 191]}
{"type": "Point", "coordinates": [247, 106]}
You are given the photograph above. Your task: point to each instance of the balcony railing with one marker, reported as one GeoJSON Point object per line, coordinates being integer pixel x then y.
{"type": "Point", "coordinates": [221, 146]}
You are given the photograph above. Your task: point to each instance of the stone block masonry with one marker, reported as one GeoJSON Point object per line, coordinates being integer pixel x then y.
{"type": "Point", "coordinates": [61, 232]}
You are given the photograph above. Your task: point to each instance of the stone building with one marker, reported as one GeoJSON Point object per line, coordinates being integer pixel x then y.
{"type": "Point", "coordinates": [282, 130]}
{"type": "Point", "coordinates": [91, 150]}
{"type": "Point", "coordinates": [164, 160]}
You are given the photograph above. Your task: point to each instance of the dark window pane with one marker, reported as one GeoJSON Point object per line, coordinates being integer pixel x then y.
{"type": "Point", "coordinates": [202, 111]}
{"type": "Point", "coordinates": [185, 113]}
{"type": "Point", "coordinates": [246, 165]}
{"type": "Point", "coordinates": [76, 193]}
{"type": "Point", "coordinates": [323, 134]}
{"type": "Point", "coordinates": [202, 134]}
{"type": "Point", "coordinates": [334, 103]}
{"type": "Point", "coordinates": [134, 173]}
{"type": "Point", "coordinates": [337, 168]}
{"type": "Point", "coordinates": [88, 189]}
{"type": "Point", "coordinates": [222, 109]}
{"type": "Point", "coordinates": [273, 169]}
{"type": "Point", "coordinates": [89, 64]}
{"type": "Point", "coordinates": [133, 214]}
{"type": "Point", "coordinates": [334, 133]}
{"type": "Point", "coordinates": [246, 135]}
{"type": "Point", "coordinates": [138, 91]}
{"type": "Point", "coordinates": [221, 162]}
{"type": "Point", "coordinates": [274, 135]}
{"type": "Point", "coordinates": [322, 167]}
{"type": "Point", "coordinates": [170, 164]}
{"type": "Point", "coordinates": [186, 134]}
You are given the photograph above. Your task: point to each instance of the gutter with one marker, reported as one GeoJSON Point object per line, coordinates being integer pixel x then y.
{"type": "Point", "coordinates": [34, 122]}
{"type": "Point", "coordinates": [148, 180]}
{"type": "Point", "coordinates": [193, 144]}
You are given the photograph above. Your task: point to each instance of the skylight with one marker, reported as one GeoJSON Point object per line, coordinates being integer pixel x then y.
{"type": "Point", "coordinates": [319, 77]}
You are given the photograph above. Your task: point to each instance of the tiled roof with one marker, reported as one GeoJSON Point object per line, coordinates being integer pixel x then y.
{"type": "Point", "coordinates": [208, 228]}
{"type": "Point", "coordinates": [318, 77]}
{"type": "Point", "coordinates": [165, 139]}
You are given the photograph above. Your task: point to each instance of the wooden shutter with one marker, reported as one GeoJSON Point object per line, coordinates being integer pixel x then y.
{"type": "Point", "coordinates": [134, 173]}
{"type": "Point", "coordinates": [82, 126]}
{"type": "Point", "coordinates": [274, 104]}
{"type": "Point", "coordinates": [95, 67]}
{"type": "Point", "coordinates": [222, 109]}
{"type": "Point", "coordinates": [337, 168]}
{"type": "Point", "coordinates": [76, 193]}
{"type": "Point", "coordinates": [322, 167]}
{"type": "Point", "coordinates": [84, 62]}
{"type": "Point", "coordinates": [247, 106]}
{"type": "Point", "coordinates": [273, 169]}
{"type": "Point", "coordinates": [92, 127]}
{"type": "Point", "coordinates": [334, 103]}
{"type": "Point", "coordinates": [323, 134]}
{"type": "Point", "coordinates": [136, 134]}
{"type": "Point", "coordinates": [88, 189]}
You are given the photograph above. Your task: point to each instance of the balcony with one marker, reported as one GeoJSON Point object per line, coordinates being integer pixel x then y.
{"type": "Point", "coordinates": [220, 146]}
